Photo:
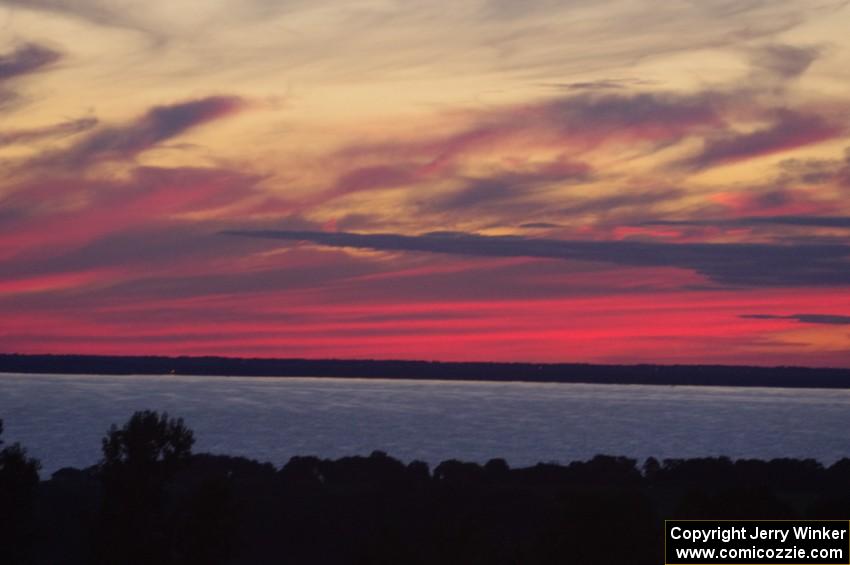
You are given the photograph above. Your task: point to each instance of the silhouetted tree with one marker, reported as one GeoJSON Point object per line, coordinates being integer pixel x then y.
{"type": "Point", "coordinates": [150, 501]}
{"type": "Point", "coordinates": [497, 468]}
{"type": "Point", "coordinates": [581, 530]}
{"type": "Point", "coordinates": [838, 475]}
{"type": "Point", "coordinates": [651, 467]}
{"type": "Point", "coordinates": [605, 469]}
{"type": "Point", "coordinates": [205, 530]}
{"type": "Point", "coordinates": [138, 460]}
{"type": "Point", "coordinates": [460, 473]}
{"type": "Point", "coordinates": [419, 472]}
{"type": "Point", "coordinates": [147, 443]}
{"type": "Point", "coordinates": [303, 472]}
{"type": "Point", "coordinates": [757, 503]}
{"type": "Point", "coordinates": [18, 482]}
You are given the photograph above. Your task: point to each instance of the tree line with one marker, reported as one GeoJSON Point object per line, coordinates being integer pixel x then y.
{"type": "Point", "coordinates": [709, 375]}
{"type": "Point", "coordinates": [151, 500]}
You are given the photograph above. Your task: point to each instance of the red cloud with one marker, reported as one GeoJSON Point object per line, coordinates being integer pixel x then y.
{"type": "Point", "coordinates": [789, 130]}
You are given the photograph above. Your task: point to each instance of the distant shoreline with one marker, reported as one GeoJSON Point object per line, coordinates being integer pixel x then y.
{"type": "Point", "coordinates": [683, 375]}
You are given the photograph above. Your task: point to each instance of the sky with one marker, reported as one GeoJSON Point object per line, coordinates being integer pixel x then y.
{"type": "Point", "coordinates": [607, 181]}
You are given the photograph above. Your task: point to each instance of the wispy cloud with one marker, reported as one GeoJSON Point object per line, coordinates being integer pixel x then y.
{"type": "Point", "coordinates": [539, 226]}
{"type": "Point", "coordinates": [828, 319]}
{"type": "Point", "coordinates": [123, 15]}
{"type": "Point", "coordinates": [782, 61]}
{"type": "Point", "coordinates": [505, 189]}
{"type": "Point", "coordinates": [636, 199]}
{"type": "Point", "coordinates": [158, 124]}
{"type": "Point", "coordinates": [788, 130]}
{"type": "Point", "coordinates": [802, 221]}
{"type": "Point", "coordinates": [26, 59]}
{"type": "Point", "coordinates": [581, 121]}
{"type": "Point", "coordinates": [817, 171]}
{"type": "Point", "coordinates": [588, 121]}
{"type": "Point", "coordinates": [725, 263]}
{"type": "Point", "coordinates": [62, 129]}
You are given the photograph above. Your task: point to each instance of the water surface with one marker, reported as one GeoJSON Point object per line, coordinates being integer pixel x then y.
{"type": "Point", "coordinates": [62, 418]}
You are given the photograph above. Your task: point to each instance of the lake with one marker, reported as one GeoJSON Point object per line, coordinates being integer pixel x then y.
{"type": "Point", "coordinates": [62, 418]}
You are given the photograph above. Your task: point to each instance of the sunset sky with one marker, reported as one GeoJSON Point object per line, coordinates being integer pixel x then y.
{"type": "Point", "coordinates": [610, 181]}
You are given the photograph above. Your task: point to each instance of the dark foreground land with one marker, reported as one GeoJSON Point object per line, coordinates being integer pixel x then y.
{"type": "Point", "coordinates": [151, 501]}
{"type": "Point", "coordinates": [708, 375]}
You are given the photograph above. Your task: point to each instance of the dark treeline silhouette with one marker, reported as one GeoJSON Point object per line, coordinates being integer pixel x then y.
{"type": "Point", "coordinates": [18, 484]}
{"type": "Point", "coordinates": [150, 500]}
{"type": "Point", "coordinates": [709, 375]}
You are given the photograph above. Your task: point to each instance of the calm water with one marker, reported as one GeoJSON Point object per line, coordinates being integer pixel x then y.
{"type": "Point", "coordinates": [61, 419]}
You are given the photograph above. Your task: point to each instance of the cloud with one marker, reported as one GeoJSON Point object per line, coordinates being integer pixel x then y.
{"type": "Point", "coordinates": [783, 62]}
{"type": "Point", "coordinates": [653, 115]}
{"type": "Point", "coordinates": [584, 123]}
{"type": "Point", "coordinates": [62, 129]}
{"type": "Point", "coordinates": [628, 33]}
{"type": "Point", "coordinates": [635, 199]}
{"type": "Point", "coordinates": [87, 9]}
{"type": "Point", "coordinates": [726, 263]}
{"type": "Point", "coordinates": [158, 124]}
{"type": "Point", "coordinates": [803, 221]}
{"type": "Point", "coordinates": [828, 319]}
{"type": "Point", "coordinates": [128, 14]}
{"type": "Point", "coordinates": [478, 193]}
{"type": "Point", "coordinates": [734, 122]}
{"type": "Point", "coordinates": [26, 59]}
{"type": "Point", "coordinates": [600, 84]}
{"type": "Point", "coordinates": [504, 188]}
{"type": "Point", "coordinates": [539, 226]}
{"type": "Point", "coordinates": [138, 248]}
{"type": "Point", "coordinates": [817, 171]}
{"type": "Point", "coordinates": [372, 178]}
{"type": "Point", "coordinates": [789, 130]}
{"type": "Point", "coordinates": [574, 122]}
{"type": "Point", "coordinates": [57, 214]}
